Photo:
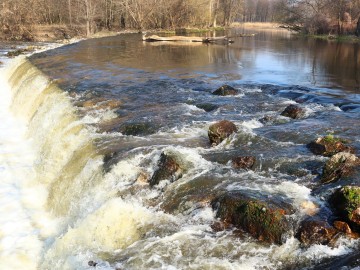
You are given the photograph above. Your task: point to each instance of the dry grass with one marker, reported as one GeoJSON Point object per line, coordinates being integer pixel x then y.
{"type": "Point", "coordinates": [258, 25]}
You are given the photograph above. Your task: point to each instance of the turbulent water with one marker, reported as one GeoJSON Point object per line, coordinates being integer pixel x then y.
{"type": "Point", "coordinates": [73, 175]}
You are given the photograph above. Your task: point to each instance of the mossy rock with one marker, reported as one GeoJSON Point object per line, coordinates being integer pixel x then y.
{"type": "Point", "coordinates": [220, 131]}
{"type": "Point", "coordinates": [346, 202]}
{"type": "Point", "coordinates": [329, 145]}
{"type": "Point", "coordinates": [225, 90]}
{"type": "Point", "coordinates": [260, 217]}
{"type": "Point", "coordinates": [340, 165]}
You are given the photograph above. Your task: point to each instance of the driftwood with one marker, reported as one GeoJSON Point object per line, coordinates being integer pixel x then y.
{"type": "Point", "coordinates": [153, 38]}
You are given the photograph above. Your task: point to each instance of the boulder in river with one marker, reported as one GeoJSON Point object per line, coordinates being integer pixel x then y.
{"type": "Point", "coordinates": [313, 231]}
{"type": "Point", "coordinates": [339, 165]}
{"type": "Point", "coordinates": [207, 107]}
{"type": "Point", "coordinates": [328, 146]}
{"type": "Point", "coordinates": [167, 169]}
{"type": "Point", "coordinates": [245, 162]}
{"type": "Point", "coordinates": [293, 111]}
{"type": "Point", "coordinates": [225, 90]}
{"type": "Point", "coordinates": [262, 218]}
{"type": "Point", "coordinates": [220, 131]}
{"type": "Point", "coordinates": [138, 129]}
{"type": "Point", "coordinates": [346, 203]}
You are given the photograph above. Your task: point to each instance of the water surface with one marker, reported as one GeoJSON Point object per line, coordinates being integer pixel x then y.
{"type": "Point", "coordinates": [94, 170]}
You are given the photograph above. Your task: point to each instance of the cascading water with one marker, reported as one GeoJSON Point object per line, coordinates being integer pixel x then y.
{"type": "Point", "coordinates": [74, 184]}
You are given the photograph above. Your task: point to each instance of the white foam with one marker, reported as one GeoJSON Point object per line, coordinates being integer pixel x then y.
{"type": "Point", "coordinates": [20, 246]}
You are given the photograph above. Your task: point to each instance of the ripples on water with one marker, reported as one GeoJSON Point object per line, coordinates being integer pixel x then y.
{"type": "Point", "coordinates": [92, 171]}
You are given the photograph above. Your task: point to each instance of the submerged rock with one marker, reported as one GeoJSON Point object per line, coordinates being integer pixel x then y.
{"type": "Point", "coordinates": [346, 203]}
{"type": "Point", "coordinates": [220, 131]}
{"type": "Point", "coordinates": [168, 169]}
{"type": "Point", "coordinates": [138, 129]}
{"type": "Point", "coordinates": [246, 162]}
{"type": "Point", "coordinates": [100, 103]}
{"type": "Point", "coordinates": [313, 231]}
{"type": "Point", "coordinates": [339, 165]}
{"type": "Point", "coordinates": [328, 146]}
{"type": "Point", "coordinates": [293, 111]}
{"type": "Point", "coordinates": [207, 107]}
{"type": "Point", "coordinates": [225, 90]}
{"type": "Point", "coordinates": [263, 219]}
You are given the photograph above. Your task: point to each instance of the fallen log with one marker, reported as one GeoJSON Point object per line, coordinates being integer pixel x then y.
{"type": "Point", "coordinates": [154, 38]}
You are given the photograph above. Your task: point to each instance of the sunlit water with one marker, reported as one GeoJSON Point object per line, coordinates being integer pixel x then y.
{"type": "Point", "coordinates": [72, 180]}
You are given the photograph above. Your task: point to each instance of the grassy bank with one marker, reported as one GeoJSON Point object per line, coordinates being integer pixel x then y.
{"type": "Point", "coordinates": [337, 38]}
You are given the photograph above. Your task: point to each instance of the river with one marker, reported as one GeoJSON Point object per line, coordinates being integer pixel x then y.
{"type": "Point", "coordinates": [83, 127]}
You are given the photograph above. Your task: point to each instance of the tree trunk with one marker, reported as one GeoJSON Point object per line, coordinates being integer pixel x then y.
{"type": "Point", "coordinates": [357, 31]}
{"type": "Point", "coordinates": [70, 16]}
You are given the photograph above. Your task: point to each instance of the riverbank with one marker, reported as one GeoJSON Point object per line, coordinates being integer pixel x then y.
{"type": "Point", "coordinates": [342, 38]}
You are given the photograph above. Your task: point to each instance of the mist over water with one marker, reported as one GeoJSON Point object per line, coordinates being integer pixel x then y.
{"type": "Point", "coordinates": [75, 173]}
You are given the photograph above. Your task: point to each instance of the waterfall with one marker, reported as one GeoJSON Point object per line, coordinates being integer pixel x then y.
{"type": "Point", "coordinates": [73, 203]}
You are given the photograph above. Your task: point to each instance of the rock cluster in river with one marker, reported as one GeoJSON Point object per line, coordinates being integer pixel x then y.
{"type": "Point", "coordinates": [345, 201]}
{"type": "Point", "coordinates": [267, 218]}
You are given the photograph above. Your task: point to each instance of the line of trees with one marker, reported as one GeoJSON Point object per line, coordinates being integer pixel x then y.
{"type": "Point", "coordinates": [321, 16]}
{"type": "Point", "coordinates": [17, 17]}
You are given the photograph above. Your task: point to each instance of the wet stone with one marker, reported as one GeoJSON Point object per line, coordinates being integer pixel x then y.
{"type": "Point", "coordinates": [328, 146]}
{"type": "Point", "coordinates": [293, 111]}
{"type": "Point", "coordinates": [207, 107]}
{"type": "Point", "coordinates": [342, 227]}
{"type": "Point", "coordinates": [313, 231]}
{"type": "Point", "coordinates": [340, 165]}
{"type": "Point", "coordinates": [138, 129]}
{"type": "Point", "coordinates": [168, 169]}
{"type": "Point", "coordinates": [225, 90]}
{"type": "Point", "coordinates": [220, 131]}
{"type": "Point", "coordinates": [246, 162]}
{"type": "Point", "coordinates": [257, 215]}
{"type": "Point", "coordinates": [92, 263]}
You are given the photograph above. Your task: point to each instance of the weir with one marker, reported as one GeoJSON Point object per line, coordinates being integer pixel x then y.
{"type": "Point", "coordinates": [76, 208]}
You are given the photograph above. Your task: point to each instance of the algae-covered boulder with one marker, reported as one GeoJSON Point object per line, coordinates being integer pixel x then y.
{"type": "Point", "coordinates": [346, 203]}
{"type": "Point", "coordinates": [313, 231]}
{"type": "Point", "coordinates": [339, 165]}
{"type": "Point", "coordinates": [225, 90]}
{"type": "Point", "coordinates": [220, 131]}
{"type": "Point", "coordinates": [260, 216]}
{"type": "Point", "coordinates": [293, 111]}
{"type": "Point", "coordinates": [168, 168]}
{"type": "Point", "coordinates": [245, 162]}
{"type": "Point", "coordinates": [328, 146]}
